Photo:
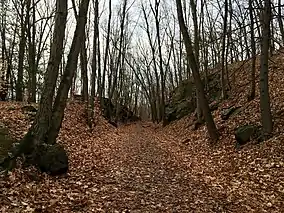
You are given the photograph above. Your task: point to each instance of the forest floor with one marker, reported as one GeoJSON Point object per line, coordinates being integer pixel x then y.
{"type": "Point", "coordinates": [143, 167]}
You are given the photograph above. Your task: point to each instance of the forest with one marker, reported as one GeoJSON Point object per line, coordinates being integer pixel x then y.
{"type": "Point", "coordinates": [141, 106]}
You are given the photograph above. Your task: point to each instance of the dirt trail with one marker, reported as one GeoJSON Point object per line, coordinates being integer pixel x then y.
{"type": "Point", "coordinates": [144, 177]}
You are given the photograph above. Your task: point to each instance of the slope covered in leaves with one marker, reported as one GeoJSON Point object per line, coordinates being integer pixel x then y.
{"type": "Point", "coordinates": [111, 170]}
{"type": "Point", "coordinates": [145, 168]}
{"type": "Point", "coordinates": [252, 178]}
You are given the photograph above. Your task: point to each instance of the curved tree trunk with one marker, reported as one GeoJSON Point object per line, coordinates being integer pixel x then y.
{"type": "Point", "coordinates": [65, 84]}
{"type": "Point", "coordinates": [212, 130]}
{"type": "Point", "coordinates": [37, 134]}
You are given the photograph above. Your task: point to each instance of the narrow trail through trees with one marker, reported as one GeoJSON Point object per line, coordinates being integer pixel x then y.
{"type": "Point", "coordinates": [144, 177]}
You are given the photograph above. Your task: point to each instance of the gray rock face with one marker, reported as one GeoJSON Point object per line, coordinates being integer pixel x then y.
{"type": "Point", "coordinates": [183, 98]}
{"type": "Point", "coordinates": [182, 102]}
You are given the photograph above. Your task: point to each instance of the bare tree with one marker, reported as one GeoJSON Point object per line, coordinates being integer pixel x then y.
{"type": "Point", "coordinates": [25, 10]}
{"type": "Point", "coordinates": [253, 49]}
{"type": "Point", "coordinates": [38, 132]}
{"type": "Point", "coordinates": [95, 63]}
{"type": "Point", "coordinates": [65, 84]}
{"type": "Point", "coordinates": [266, 118]}
{"type": "Point", "coordinates": [212, 130]}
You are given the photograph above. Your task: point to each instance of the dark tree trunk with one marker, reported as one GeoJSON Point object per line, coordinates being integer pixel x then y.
{"type": "Point", "coordinates": [36, 135]}
{"type": "Point", "coordinates": [65, 84]}
{"type": "Point", "coordinates": [224, 59]}
{"type": "Point", "coordinates": [212, 130]}
{"type": "Point", "coordinates": [102, 88]}
{"type": "Point", "coordinates": [94, 63]}
{"type": "Point", "coordinates": [84, 69]}
{"type": "Point", "coordinates": [83, 61]}
{"type": "Point", "coordinates": [280, 21]}
{"type": "Point", "coordinates": [32, 57]}
{"type": "Point", "coordinates": [266, 118]}
{"type": "Point", "coordinates": [24, 22]}
{"type": "Point", "coordinates": [253, 50]}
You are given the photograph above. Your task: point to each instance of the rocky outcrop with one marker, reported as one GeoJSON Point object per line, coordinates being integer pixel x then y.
{"type": "Point", "coordinates": [181, 103]}
{"type": "Point", "coordinates": [182, 100]}
{"type": "Point", "coordinates": [112, 112]}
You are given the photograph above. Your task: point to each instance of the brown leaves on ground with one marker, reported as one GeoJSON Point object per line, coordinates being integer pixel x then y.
{"type": "Point", "coordinates": [252, 178]}
{"type": "Point", "coordinates": [145, 168]}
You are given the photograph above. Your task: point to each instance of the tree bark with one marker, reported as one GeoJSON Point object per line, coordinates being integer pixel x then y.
{"type": "Point", "coordinates": [31, 31]}
{"type": "Point", "coordinates": [224, 59]}
{"type": "Point", "coordinates": [253, 50]}
{"type": "Point", "coordinates": [65, 84]}
{"type": "Point", "coordinates": [212, 130]}
{"type": "Point", "coordinates": [280, 21]}
{"type": "Point", "coordinates": [37, 133]}
{"type": "Point", "coordinates": [24, 22]}
{"type": "Point", "coordinates": [94, 62]}
{"type": "Point", "coordinates": [266, 118]}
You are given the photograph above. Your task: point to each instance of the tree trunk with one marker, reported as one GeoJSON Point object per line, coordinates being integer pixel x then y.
{"type": "Point", "coordinates": [280, 21]}
{"type": "Point", "coordinates": [84, 69]}
{"type": "Point", "coordinates": [65, 84]}
{"type": "Point", "coordinates": [266, 118]}
{"type": "Point", "coordinates": [94, 63]}
{"type": "Point", "coordinates": [212, 130]}
{"type": "Point", "coordinates": [37, 134]}
{"type": "Point", "coordinates": [102, 88]}
{"type": "Point", "coordinates": [32, 57]}
{"type": "Point", "coordinates": [224, 59]}
{"type": "Point", "coordinates": [24, 22]}
{"type": "Point", "coordinates": [253, 49]}
{"type": "Point", "coordinates": [83, 62]}
{"type": "Point", "coordinates": [157, 25]}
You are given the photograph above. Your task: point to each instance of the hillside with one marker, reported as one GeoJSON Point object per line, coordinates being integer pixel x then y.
{"type": "Point", "coordinates": [142, 167]}
{"type": "Point", "coordinates": [253, 175]}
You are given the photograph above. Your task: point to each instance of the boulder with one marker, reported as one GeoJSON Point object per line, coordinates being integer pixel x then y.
{"type": "Point", "coordinates": [174, 111]}
{"type": "Point", "coordinates": [226, 113]}
{"type": "Point", "coordinates": [52, 159]}
{"type": "Point", "coordinates": [111, 112]}
{"type": "Point", "coordinates": [214, 106]}
{"type": "Point", "coordinates": [244, 134]}
{"type": "Point", "coordinates": [182, 99]}
{"type": "Point", "coordinates": [170, 112]}
{"type": "Point", "coordinates": [6, 143]}
{"type": "Point", "coordinates": [29, 108]}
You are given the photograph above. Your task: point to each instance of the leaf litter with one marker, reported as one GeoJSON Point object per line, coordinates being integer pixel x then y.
{"type": "Point", "coordinates": [143, 167]}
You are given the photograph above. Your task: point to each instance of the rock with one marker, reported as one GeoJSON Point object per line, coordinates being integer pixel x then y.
{"type": "Point", "coordinates": [113, 123]}
{"type": "Point", "coordinates": [182, 100]}
{"type": "Point", "coordinates": [197, 124]}
{"type": "Point", "coordinates": [245, 133]}
{"type": "Point", "coordinates": [29, 108]}
{"type": "Point", "coordinates": [3, 88]}
{"type": "Point", "coordinates": [177, 110]}
{"type": "Point", "coordinates": [214, 106]}
{"type": "Point", "coordinates": [227, 112]}
{"type": "Point", "coordinates": [78, 97]}
{"type": "Point", "coordinates": [6, 143]}
{"type": "Point", "coordinates": [110, 113]}
{"type": "Point", "coordinates": [52, 159]}
{"type": "Point", "coordinates": [170, 113]}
